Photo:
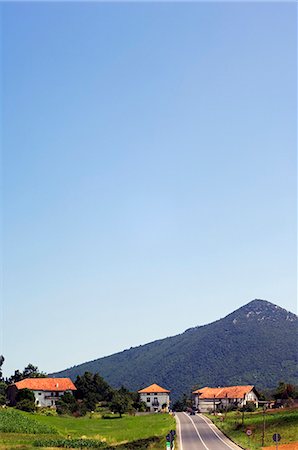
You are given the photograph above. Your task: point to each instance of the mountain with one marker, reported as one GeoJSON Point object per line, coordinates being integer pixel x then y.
{"type": "Point", "coordinates": [256, 344]}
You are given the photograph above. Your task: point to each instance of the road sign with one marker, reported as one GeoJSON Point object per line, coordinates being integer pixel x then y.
{"type": "Point", "coordinates": [248, 432]}
{"type": "Point", "coordinates": [276, 437]}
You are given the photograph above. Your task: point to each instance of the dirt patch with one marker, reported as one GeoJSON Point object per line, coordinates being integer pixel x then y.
{"type": "Point", "coordinates": [293, 446]}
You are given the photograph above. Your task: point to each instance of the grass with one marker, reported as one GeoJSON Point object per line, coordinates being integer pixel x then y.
{"type": "Point", "coordinates": [113, 431]}
{"type": "Point", "coordinates": [284, 422]}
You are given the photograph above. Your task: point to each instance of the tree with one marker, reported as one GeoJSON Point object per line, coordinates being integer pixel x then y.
{"type": "Point", "coordinates": [30, 371]}
{"type": "Point", "coordinates": [25, 400]}
{"type": "Point", "coordinates": [120, 403]}
{"type": "Point", "coordinates": [17, 376]}
{"type": "Point", "coordinates": [3, 388]}
{"type": "Point", "coordinates": [137, 404]}
{"type": "Point", "coordinates": [92, 388]}
{"type": "Point", "coordinates": [1, 364]}
{"type": "Point", "coordinates": [285, 391]}
{"type": "Point", "coordinates": [182, 404]}
{"type": "Point", "coordinates": [67, 404]}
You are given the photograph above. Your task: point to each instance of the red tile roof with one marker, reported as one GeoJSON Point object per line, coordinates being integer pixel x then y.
{"type": "Point", "coordinates": [153, 388]}
{"type": "Point", "coordinates": [224, 392]}
{"type": "Point", "coordinates": [46, 384]}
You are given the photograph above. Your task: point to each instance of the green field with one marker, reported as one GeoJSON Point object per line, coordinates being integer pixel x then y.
{"type": "Point", "coordinates": [284, 422]}
{"type": "Point", "coordinates": [21, 430]}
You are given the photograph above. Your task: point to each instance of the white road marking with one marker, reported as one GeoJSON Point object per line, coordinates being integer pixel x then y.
{"type": "Point", "coordinates": [211, 428]}
{"type": "Point", "coordinates": [180, 434]}
{"type": "Point", "coordinates": [197, 431]}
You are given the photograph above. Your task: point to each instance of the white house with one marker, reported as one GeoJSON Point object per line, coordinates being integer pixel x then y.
{"type": "Point", "coordinates": [156, 398]}
{"type": "Point", "coordinates": [46, 390]}
{"type": "Point", "coordinates": [207, 398]}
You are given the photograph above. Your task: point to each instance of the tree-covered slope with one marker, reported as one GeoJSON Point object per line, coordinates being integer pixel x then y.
{"type": "Point", "coordinates": [256, 344]}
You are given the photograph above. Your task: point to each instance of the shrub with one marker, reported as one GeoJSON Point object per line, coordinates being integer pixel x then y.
{"type": "Point", "coordinates": [46, 411]}
{"type": "Point", "coordinates": [140, 444]}
{"type": "Point", "coordinates": [25, 400]}
{"type": "Point", "coordinates": [69, 443]}
{"type": "Point", "coordinates": [249, 407]}
{"type": "Point", "coordinates": [26, 405]}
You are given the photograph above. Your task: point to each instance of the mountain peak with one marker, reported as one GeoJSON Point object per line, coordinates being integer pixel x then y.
{"type": "Point", "coordinates": [255, 345]}
{"type": "Point", "coordinates": [261, 310]}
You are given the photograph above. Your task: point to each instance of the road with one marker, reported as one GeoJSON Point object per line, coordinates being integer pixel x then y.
{"type": "Point", "coordinates": [199, 433]}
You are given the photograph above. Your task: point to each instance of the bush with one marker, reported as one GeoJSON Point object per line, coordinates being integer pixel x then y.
{"type": "Point", "coordinates": [249, 407]}
{"type": "Point", "coordinates": [3, 388]}
{"type": "Point", "coordinates": [228, 408]}
{"type": "Point", "coordinates": [25, 400]}
{"type": "Point", "coordinates": [140, 444]}
{"type": "Point", "coordinates": [69, 443]}
{"type": "Point", "coordinates": [25, 394]}
{"type": "Point", "coordinates": [67, 404]}
{"type": "Point", "coordinates": [46, 411]}
{"type": "Point", "coordinates": [26, 405]}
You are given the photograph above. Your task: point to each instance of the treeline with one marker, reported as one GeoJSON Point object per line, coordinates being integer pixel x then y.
{"type": "Point", "coordinates": [92, 390]}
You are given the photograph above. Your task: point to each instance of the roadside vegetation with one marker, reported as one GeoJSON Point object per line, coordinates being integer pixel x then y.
{"type": "Point", "coordinates": [282, 421]}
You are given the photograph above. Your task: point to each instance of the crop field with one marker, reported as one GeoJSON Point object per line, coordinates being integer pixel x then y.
{"type": "Point", "coordinates": [24, 431]}
{"type": "Point", "coordinates": [12, 421]}
{"type": "Point", "coordinates": [284, 422]}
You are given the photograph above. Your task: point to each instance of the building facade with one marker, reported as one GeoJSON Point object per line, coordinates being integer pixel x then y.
{"type": "Point", "coordinates": [212, 399]}
{"type": "Point", "coordinates": [46, 390]}
{"type": "Point", "coordinates": [157, 398]}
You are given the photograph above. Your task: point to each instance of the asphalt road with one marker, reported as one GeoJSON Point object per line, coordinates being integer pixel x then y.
{"type": "Point", "coordinates": [199, 433]}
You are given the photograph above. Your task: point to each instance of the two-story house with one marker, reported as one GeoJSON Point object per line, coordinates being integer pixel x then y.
{"type": "Point", "coordinates": [207, 399]}
{"type": "Point", "coordinates": [156, 398]}
{"type": "Point", "coordinates": [46, 390]}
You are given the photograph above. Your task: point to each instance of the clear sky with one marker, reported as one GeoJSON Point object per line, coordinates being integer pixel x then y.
{"type": "Point", "coordinates": [149, 171]}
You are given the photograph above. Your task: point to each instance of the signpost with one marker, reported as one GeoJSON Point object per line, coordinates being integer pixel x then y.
{"type": "Point", "coordinates": [248, 433]}
{"type": "Point", "coordinates": [276, 438]}
{"type": "Point", "coordinates": [170, 437]}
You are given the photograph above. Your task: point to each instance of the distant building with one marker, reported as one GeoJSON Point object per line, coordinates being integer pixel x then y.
{"type": "Point", "coordinates": [156, 398]}
{"type": "Point", "coordinates": [46, 390]}
{"type": "Point", "coordinates": [207, 398]}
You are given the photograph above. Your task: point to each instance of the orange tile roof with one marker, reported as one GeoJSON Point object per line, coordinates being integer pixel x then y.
{"type": "Point", "coordinates": [46, 384]}
{"type": "Point", "coordinates": [224, 392]}
{"type": "Point", "coordinates": [153, 388]}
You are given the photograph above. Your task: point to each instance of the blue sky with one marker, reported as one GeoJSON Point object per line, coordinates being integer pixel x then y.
{"type": "Point", "coordinates": [149, 171]}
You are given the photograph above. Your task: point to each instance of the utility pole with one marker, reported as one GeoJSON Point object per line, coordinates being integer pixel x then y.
{"type": "Point", "coordinates": [243, 410]}
{"type": "Point", "coordinates": [263, 429]}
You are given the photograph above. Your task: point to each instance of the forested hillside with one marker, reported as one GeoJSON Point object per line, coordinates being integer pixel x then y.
{"type": "Point", "coordinates": [255, 344]}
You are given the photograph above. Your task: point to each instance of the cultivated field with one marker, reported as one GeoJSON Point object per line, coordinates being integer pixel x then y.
{"type": "Point", "coordinates": [284, 422]}
{"type": "Point", "coordinates": [24, 431]}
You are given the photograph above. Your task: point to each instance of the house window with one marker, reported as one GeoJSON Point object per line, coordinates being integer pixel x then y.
{"type": "Point", "coordinates": [39, 393]}
{"type": "Point", "coordinates": [148, 399]}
